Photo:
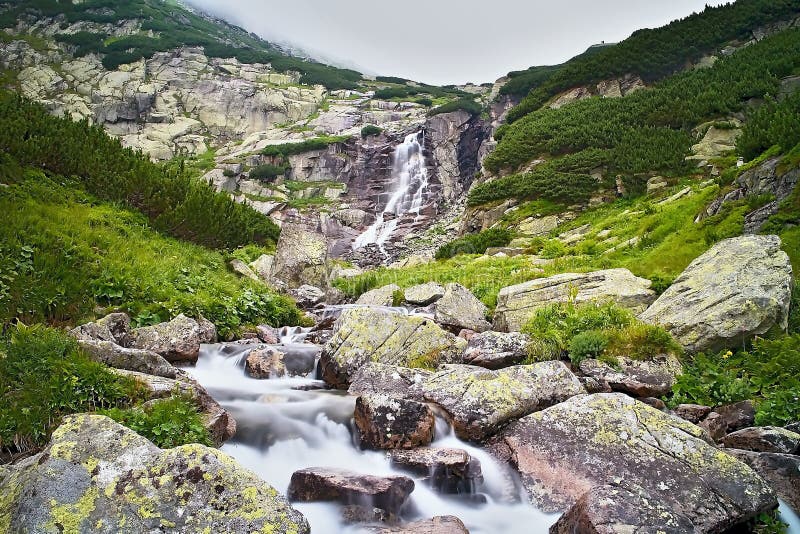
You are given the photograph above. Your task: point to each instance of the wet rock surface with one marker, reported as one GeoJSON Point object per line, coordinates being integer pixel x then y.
{"type": "Point", "coordinates": [93, 471]}
{"type": "Point", "coordinates": [590, 441]}
{"type": "Point", "coordinates": [447, 470]}
{"type": "Point", "coordinates": [437, 525]}
{"type": "Point", "coordinates": [265, 363]}
{"type": "Point", "coordinates": [392, 380]}
{"type": "Point", "coordinates": [740, 288]}
{"type": "Point", "coordinates": [384, 422]}
{"type": "Point", "coordinates": [319, 484]}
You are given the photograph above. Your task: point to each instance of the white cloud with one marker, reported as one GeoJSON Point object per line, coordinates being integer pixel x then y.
{"type": "Point", "coordinates": [447, 41]}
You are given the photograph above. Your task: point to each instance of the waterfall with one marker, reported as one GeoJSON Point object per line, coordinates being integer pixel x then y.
{"type": "Point", "coordinates": [410, 179]}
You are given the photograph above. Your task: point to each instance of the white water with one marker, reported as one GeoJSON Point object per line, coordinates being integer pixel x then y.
{"type": "Point", "coordinates": [410, 178]}
{"type": "Point", "coordinates": [281, 430]}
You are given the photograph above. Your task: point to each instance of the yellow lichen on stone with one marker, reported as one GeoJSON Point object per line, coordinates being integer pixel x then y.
{"type": "Point", "coordinates": [68, 517]}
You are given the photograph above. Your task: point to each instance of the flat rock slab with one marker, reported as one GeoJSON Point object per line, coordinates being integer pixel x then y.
{"type": "Point", "coordinates": [447, 470]}
{"type": "Point", "coordinates": [639, 378]}
{"type": "Point", "coordinates": [320, 484]}
{"type": "Point", "coordinates": [98, 477]}
{"type": "Point", "coordinates": [385, 422]}
{"type": "Point", "coordinates": [424, 294]}
{"type": "Point", "coordinates": [480, 401]}
{"type": "Point", "coordinates": [517, 304]}
{"type": "Point", "coordinates": [363, 335]}
{"type": "Point", "coordinates": [382, 296]}
{"type": "Point", "coordinates": [142, 361]}
{"type": "Point", "coordinates": [392, 380]}
{"type": "Point", "coordinates": [591, 441]}
{"type": "Point", "coordinates": [495, 350]}
{"type": "Point", "coordinates": [764, 439]}
{"type": "Point", "coordinates": [740, 288]}
{"type": "Point", "coordinates": [446, 524]}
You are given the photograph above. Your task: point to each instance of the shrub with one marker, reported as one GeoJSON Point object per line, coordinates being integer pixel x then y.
{"type": "Point", "coordinates": [589, 344]}
{"type": "Point", "coordinates": [167, 423]}
{"type": "Point", "coordinates": [267, 172]}
{"type": "Point", "coordinates": [370, 130]}
{"type": "Point", "coordinates": [463, 104]}
{"type": "Point", "coordinates": [475, 243]}
{"type": "Point", "coordinates": [43, 377]}
{"type": "Point", "coordinates": [640, 341]}
{"type": "Point", "coordinates": [424, 101]}
{"type": "Point", "coordinates": [290, 149]}
{"type": "Point", "coordinates": [553, 248]}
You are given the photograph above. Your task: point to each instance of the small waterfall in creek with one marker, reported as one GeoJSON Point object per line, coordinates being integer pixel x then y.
{"type": "Point", "coordinates": [410, 178]}
{"type": "Point", "coordinates": [288, 424]}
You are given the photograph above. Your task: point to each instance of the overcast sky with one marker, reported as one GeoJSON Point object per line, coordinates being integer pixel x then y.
{"type": "Point", "coordinates": [447, 41]}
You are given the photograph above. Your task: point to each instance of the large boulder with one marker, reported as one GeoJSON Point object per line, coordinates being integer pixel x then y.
{"type": "Point", "coordinates": [451, 471]}
{"type": "Point", "coordinates": [591, 441]}
{"type": "Point", "coordinates": [480, 401]}
{"type": "Point", "coordinates": [307, 296]}
{"type": "Point", "coordinates": [781, 471]}
{"type": "Point", "coordinates": [459, 308]}
{"type": "Point", "coordinates": [96, 476]}
{"type": "Point", "coordinates": [177, 340]}
{"type": "Point", "coordinates": [739, 289]}
{"type": "Point", "coordinates": [262, 266]}
{"type": "Point", "coordinates": [320, 484]}
{"type": "Point", "coordinates": [143, 361]}
{"type": "Point", "coordinates": [444, 524]}
{"type": "Point", "coordinates": [392, 380]}
{"type": "Point", "coordinates": [424, 294]}
{"type": "Point", "coordinates": [384, 422]}
{"type": "Point", "coordinates": [381, 296]}
{"type": "Point", "coordinates": [363, 335]}
{"type": "Point", "coordinates": [495, 350]}
{"type": "Point", "coordinates": [517, 304]}
{"type": "Point", "coordinates": [640, 378]}
{"type": "Point", "coordinates": [265, 363]}
{"type": "Point", "coordinates": [301, 257]}
{"type": "Point", "coordinates": [618, 510]}
{"type": "Point", "coordinates": [764, 439]}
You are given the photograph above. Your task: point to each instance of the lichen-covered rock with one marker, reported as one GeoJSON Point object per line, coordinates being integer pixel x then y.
{"type": "Point", "coordinates": [739, 289]}
{"type": "Point", "coordinates": [517, 304]}
{"type": "Point", "coordinates": [781, 471]}
{"type": "Point", "coordinates": [143, 361]}
{"type": "Point", "coordinates": [424, 294]}
{"type": "Point", "coordinates": [445, 524]}
{"type": "Point", "coordinates": [392, 380]}
{"type": "Point", "coordinates": [618, 510]}
{"type": "Point", "coordinates": [301, 257]}
{"type": "Point", "coordinates": [262, 266]}
{"type": "Point", "coordinates": [480, 401]}
{"type": "Point", "coordinates": [96, 476]}
{"type": "Point", "coordinates": [450, 471]}
{"type": "Point", "coordinates": [241, 268]}
{"type": "Point", "coordinates": [177, 340]}
{"type": "Point", "coordinates": [381, 296]}
{"type": "Point", "coordinates": [218, 421]}
{"type": "Point", "coordinates": [594, 440]}
{"type": "Point", "coordinates": [114, 327]}
{"type": "Point", "coordinates": [640, 378]}
{"type": "Point", "coordinates": [495, 350]}
{"type": "Point", "coordinates": [363, 335]}
{"type": "Point", "coordinates": [385, 422]}
{"type": "Point", "coordinates": [208, 331]}
{"type": "Point", "coordinates": [764, 439]}
{"type": "Point", "coordinates": [265, 363]}
{"type": "Point", "coordinates": [320, 484]}
{"type": "Point", "coordinates": [459, 308]}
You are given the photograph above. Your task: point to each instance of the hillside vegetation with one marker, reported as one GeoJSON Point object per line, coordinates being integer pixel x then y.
{"type": "Point", "coordinates": [647, 131]}
{"type": "Point", "coordinates": [172, 26]}
{"type": "Point", "coordinates": [650, 54]}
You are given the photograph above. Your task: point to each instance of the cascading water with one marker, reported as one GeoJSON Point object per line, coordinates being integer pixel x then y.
{"type": "Point", "coordinates": [410, 178]}
{"type": "Point", "coordinates": [289, 424]}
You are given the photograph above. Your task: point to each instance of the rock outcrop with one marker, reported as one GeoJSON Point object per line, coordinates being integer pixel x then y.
{"type": "Point", "coordinates": [739, 289]}
{"type": "Point", "coordinates": [424, 294]}
{"type": "Point", "coordinates": [480, 402]}
{"type": "Point", "coordinates": [458, 308]}
{"type": "Point", "coordinates": [449, 471]}
{"type": "Point", "coordinates": [392, 380]}
{"type": "Point", "coordinates": [592, 441]}
{"type": "Point", "coordinates": [96, 476]}
{"type": "Point", "coordinates": [177, 340]}
{"type": "Point", "coordinates": [517, 304]}
{"type": "Point", "coordinates": [385, 422]}
{"type": "Point", "coordinates": [363, 335]}
{"type": "Point", "coordinates": [781, 471]}
{"type": "Point", "coordinates": [301, 257]}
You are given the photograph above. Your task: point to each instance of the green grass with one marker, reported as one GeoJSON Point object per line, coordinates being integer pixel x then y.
{"type": "Point", "coordinates": [43, 377]}
{"type": "Point", "coordinates": [167, 423]}
{"type": "Point", "coordinates": [62, 253]}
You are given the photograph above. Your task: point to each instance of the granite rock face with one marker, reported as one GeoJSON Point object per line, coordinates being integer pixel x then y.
{"type": "Point", "coordinates": [384, 422]}
{"type": "Point", "coordinates": [739, 289]}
